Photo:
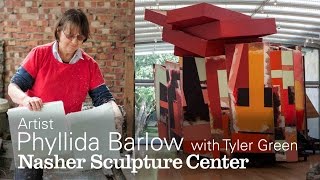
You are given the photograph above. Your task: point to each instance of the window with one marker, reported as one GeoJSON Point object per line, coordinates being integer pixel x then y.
{"type": "Point", "coordinates": [144, 93]}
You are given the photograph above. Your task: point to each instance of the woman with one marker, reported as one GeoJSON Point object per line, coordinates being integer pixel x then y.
{"type": "Point", "coordinates": [60, 71]}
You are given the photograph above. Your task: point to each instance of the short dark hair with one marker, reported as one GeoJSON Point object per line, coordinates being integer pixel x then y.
{"type": "Point", "coordinates": [75, 17]}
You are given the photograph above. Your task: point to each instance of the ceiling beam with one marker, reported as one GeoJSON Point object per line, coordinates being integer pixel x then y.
{"type": "Point", "coordinates": [259, 8]}
{"type": "Point", "coordinates": [297, 21]}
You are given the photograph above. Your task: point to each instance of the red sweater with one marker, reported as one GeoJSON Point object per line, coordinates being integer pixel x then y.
{"type": "Point", "coordinates": [56, 81]}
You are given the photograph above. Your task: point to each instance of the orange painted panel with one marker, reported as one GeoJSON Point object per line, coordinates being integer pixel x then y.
{"type": "Point", "coordinates": [256, 76]}
{"type": "Point", "coordinates": [256, 117]}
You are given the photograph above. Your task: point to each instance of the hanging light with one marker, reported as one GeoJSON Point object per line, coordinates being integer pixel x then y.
{"type": "Point", "coordinates": [275, 2]}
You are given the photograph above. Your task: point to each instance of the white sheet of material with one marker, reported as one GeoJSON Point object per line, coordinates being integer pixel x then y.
{"type": "Point", "coordinates": [23, 116]}
{"type": "Point", "coordinates": [97, 122]}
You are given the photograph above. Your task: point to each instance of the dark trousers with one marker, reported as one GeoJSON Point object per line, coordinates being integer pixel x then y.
{"type": "Point", "coordinates": [26, 174]}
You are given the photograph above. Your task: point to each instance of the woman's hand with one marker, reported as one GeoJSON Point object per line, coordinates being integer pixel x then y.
{"type": "Point", "coordinates": [33, 103]}
{"type": "Point", "coordinates": [21, 98]}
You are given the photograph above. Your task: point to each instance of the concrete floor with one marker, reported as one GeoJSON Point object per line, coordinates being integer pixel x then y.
{"type": "Point", "coordinates": [277, 171]}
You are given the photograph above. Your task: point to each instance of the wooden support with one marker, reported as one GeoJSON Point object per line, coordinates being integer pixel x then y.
{"type": "Point", "coordinates": [129, 97]}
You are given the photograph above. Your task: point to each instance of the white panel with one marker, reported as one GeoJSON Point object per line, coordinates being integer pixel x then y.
{"type": "Point", "coordinates": [201, 68]}
{"type": "Point", "coordinates": [160, 76]}
{"type": "Point", "coordinates": [311, 60]}
{"type": "Point", "coordinates": [286, 58]}
{"type": "Point", "coordinates": [288, 79]}
{"type": "Point", "coordinates": [276, 73]}
{"type": "Point", "coordinates": [223, 83]}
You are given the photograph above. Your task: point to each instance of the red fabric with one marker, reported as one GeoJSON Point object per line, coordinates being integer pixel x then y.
{"type": "Point", "coordinates": [56, 81]}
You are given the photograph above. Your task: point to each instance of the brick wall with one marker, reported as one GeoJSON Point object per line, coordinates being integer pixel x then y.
{"type": "Point", "coordinates": [25, 24]}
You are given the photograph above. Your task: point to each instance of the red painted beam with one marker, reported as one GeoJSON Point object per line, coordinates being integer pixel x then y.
{"type": "Point", "coordinates": [238, 28]}
{"type": "Point", "coordinates": [200, 47]}
{"type": "Point", "coordinates": [200, 14]}
{"type": "Point", "coordinates": [184, 53]}
{"type": "Point", "coordinates": [193, 44]}
{"type": "Point", "coordinates": [156, 16]}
